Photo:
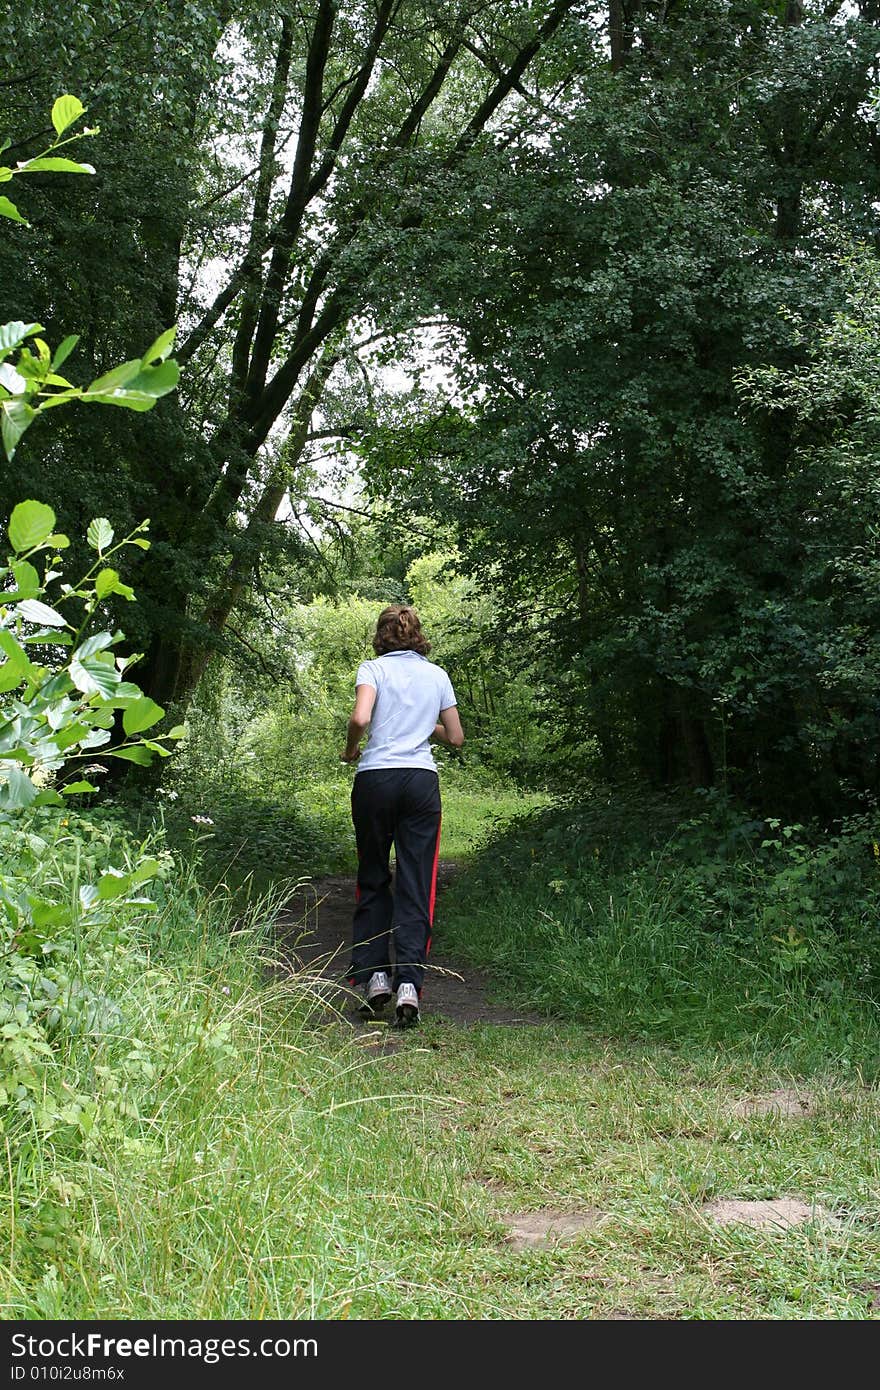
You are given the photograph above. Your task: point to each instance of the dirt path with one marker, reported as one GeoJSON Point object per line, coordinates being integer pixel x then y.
{"type": "Point", "coordinates": [314, 932]}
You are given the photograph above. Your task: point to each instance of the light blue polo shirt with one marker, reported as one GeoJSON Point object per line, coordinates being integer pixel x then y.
{"type": "Point", "coordinates": [410, 693]}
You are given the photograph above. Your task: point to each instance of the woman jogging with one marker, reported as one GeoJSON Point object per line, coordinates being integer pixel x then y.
{"type": "Point", "coordinates": [405, 700]}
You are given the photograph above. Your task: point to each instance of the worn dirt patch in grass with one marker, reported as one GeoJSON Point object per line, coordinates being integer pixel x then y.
{"type": "Point", "coordinates": [786, 1103]}
{"type": "Point", "coordinates": [530, 1230]}
{"type": "Point", "coordinates": [779, 1214]}
{"type": "Point", "coordinates": [872, 1294]}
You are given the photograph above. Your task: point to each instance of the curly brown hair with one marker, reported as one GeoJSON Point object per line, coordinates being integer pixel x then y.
{"type": "Point", "coordinates": [399, 630]}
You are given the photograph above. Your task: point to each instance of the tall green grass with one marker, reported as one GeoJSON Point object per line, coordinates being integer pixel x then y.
{"type": "Point", "coordinates": [232, 1149]}
{"type": "Point", "coordinates": [228, 1156]}
{"type": "Point", "coordinates": [643, 922]}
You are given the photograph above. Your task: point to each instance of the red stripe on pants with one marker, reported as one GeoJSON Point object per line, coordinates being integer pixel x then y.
{"type": "Point", "coordinates": [433, 898]}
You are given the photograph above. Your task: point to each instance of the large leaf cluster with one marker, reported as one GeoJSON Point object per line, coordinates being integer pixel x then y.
{"type": "Point", "coordinates": [62, 685]}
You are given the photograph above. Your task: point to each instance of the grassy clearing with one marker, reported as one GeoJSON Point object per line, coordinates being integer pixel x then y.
{"type": "Point", "coordinates": [231, 1164]}
{"type": "Point", "coordinates": [297, 1173]}
{"type": "Point", "coordinates": [547, 1118]}
{"type": "Point", "coordinates": [638, 928]}
{"type": "Point", "coordinates": [473, 814]}
{"type": "Point", "coordinates": [233, 1152]}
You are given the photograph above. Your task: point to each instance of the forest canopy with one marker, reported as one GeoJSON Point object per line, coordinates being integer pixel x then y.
{"type": "Point", "coordinates": [590, 290]}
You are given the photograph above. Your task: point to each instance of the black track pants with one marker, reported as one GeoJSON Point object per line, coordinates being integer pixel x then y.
{"type": "Point", "coordinates": [398, 805]}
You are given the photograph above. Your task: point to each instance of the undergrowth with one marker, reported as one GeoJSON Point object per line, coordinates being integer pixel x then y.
{"type": "Point", "coordinates": [689, 923]}
{"type": "Point", "coordinates": [180, 1137]}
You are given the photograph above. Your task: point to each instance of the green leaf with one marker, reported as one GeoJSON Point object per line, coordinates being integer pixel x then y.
{"type": "Point", "coordinates": [13, 334]}
{"type": "Point", "coordinates": [16, 789]}
{"type": "Point", "coordinates": [30, 524]}
{"type": "Point", "coordinates": [127, 692]}
{"type": "Point", "coordinates": [100, 533]}
{"type": "Point", "coordinates": [28, 369]}
{"type": "Point", "coordinates": [73, 788]}
{"type": "Point", "coordinates": [47, 914]}
{"type": "Point", "coordinates": [33, 611]}
{"type": "Point", "coordinates": [58, 639]}
{"type": "Point", "coordinates": [106, 583]}
{"type": "Point", "coordinates": [17, 755]}
{"type": "Point", "coordinates": [27, 580]}
{"type": "Point", "coordinates": [8, 209]}
{"type": "Point", "coordinates": [93, 676]}
{"type": "Point", "coordinates": [72, 733]}
{"type": "Point", "coordinates": [17, 416]}
{"type": "Point", "coordinates": [17, 667]}
{"type": "Point", "coordinates": [65, 111]}
{"type": "Point", "coordinates": [140, 715]}
{"type": "Point", "coordinates": [53, 164]}
{"type": "Point", "coordinates": [48, 797]}
{"type": "Point", "coordinates": [101, 713]}
{"type": "Point", "coordinates": [135, 754]}
{"type": "Point", "coordinates": [96, 738]}
{"type": "Point", "coordinates": [63, 351]}
{"type": "Point", "coordinates": [139, 391]}
{"type": "Point", "coordinates": [179, 731]}
{"type": "Point", "coordinates": [98, 642]}
{"type": "Point", "coordinates": [112, 885]}
{"type": "Point", "coordinates": [159, 350]}
{"type": "Point", "coordinates": [55, 686]}
{"type": "Point", "coordinates": [14, 380]}
{"type": "Point", "coordinates": [147, 868]}
{"type": "Point", "coordinates": [113, 380]}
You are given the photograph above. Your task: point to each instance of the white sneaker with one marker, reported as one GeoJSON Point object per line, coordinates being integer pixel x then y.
{"type": "Point", "coordinates": [377, 992]}
{"type": "Point", "coordinates": [407, 1006]}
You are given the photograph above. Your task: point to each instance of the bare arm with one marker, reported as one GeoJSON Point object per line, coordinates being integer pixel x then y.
{"type": "Point", "coordinates": [365, 698]}
{"type": "Point", "coordinates": [449, 729]}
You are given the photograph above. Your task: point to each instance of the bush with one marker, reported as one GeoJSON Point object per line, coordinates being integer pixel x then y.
{"type": "Point", "coordinates": [71, 897]}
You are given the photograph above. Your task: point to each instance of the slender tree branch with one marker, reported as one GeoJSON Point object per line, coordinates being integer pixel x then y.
{"type": "Point", "coordinates": [261, 660]}
{"type": "Point", "coordinates": [260, 216]}
{"type": "Point", "coordinates": [245, 178]}
{"type": "Point", "coordinates": [267, 321]}
{"type": "Point", "coordinates": [511, 77]}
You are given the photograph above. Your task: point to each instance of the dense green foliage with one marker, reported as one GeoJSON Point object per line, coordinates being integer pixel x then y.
{"type": "Point", "coordinates": [688, 551]}
{"type": "Point", "coordinates": [286, 160]}
{"type": "Point", "coordinates": [259, 781]}
{"type": "Point", "coordinates": [68, 890]}
{"type": "Point", "coordinates": [69, 893]}
{"type": "Point", "coordinates": [610, 254]}
{"type": "Point", "coordinates": [223, 1158]}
